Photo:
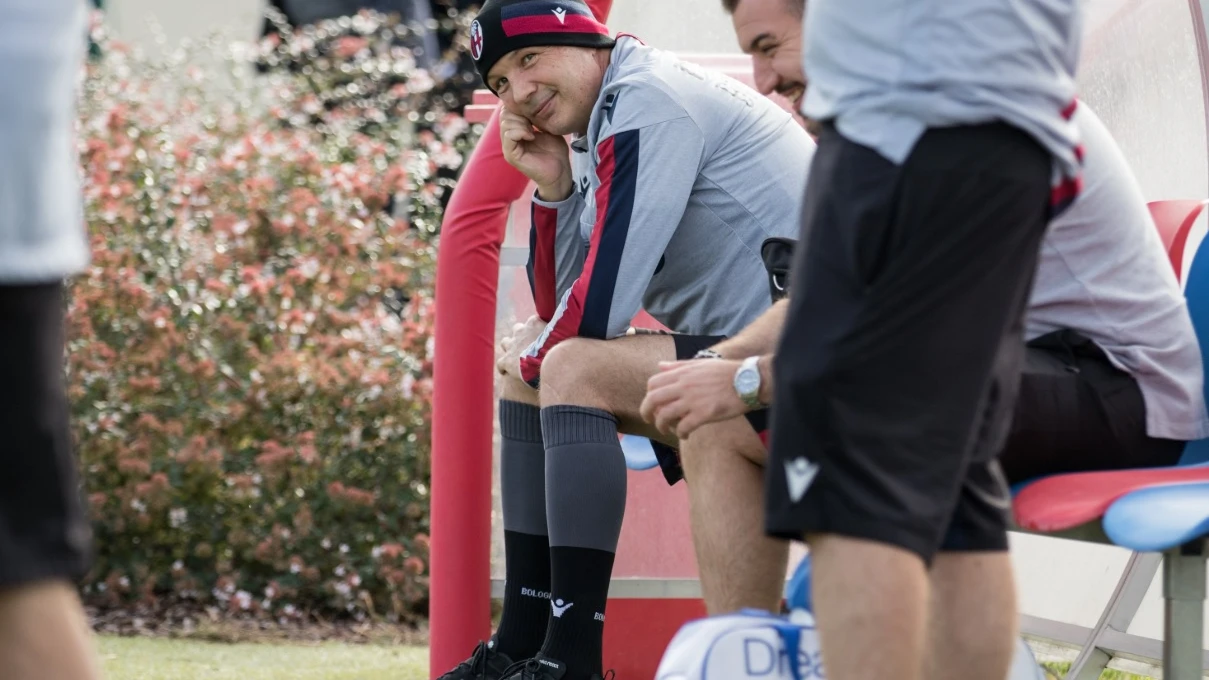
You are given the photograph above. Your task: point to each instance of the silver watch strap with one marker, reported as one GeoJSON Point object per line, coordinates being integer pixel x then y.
{"type": "Point", "coordinates": [752, 401]}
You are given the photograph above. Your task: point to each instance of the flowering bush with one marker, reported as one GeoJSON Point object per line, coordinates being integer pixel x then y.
{"type": "Point", "coordinates": [250, 352]}
{"type": "Point", "coordinates": [361, 70]}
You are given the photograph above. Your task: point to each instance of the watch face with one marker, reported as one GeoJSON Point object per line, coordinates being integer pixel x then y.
{"type": "Point", "coordinates": [747, 381]}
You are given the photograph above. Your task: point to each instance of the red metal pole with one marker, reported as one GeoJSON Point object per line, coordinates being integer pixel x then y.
{"type": "Point", "coordinates": [467, 282]}
{"type": "Point", "coordinates": [467, 277]}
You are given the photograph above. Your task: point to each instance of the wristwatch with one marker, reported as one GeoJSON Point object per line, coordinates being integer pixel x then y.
{"type": "Point", "coordinates": [747, 382]}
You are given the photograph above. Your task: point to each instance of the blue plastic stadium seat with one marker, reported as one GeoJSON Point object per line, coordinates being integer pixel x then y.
{"type": "Point", "coordinates": [1159, 518]}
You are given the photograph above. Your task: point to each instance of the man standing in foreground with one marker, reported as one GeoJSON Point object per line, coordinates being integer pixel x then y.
{"type": "Point", "coordinates": [945, 147]}
{"type": "Point", "coordinates": [44, 533]}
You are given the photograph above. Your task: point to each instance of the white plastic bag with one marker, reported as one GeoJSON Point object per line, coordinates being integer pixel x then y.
{"type": "Point", "coordinates": [748, 644]}
{"type": "Point", "coordinates": [755, 644]}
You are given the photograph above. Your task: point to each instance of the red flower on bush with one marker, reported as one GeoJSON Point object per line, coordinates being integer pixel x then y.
{"type": "Point", "coordinates": [272, 455]}
{"type": "Point", "coordinates": [134, 466]}
{"type": "Point", "coordinates": [390, 551]}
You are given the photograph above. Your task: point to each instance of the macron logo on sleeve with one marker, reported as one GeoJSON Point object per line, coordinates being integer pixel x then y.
{"type": "Point", "coordinates": [561, 14]}
{"type": "Point", "coordinates": [610, 102]}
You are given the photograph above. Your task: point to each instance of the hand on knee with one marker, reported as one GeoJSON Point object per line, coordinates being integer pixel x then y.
{"type": "Point", "coordinates": [508, 362]}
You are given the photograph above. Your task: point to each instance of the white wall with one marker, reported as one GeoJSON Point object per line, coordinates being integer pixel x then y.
{"type": "Point", "coordinates": [131, 20]}
{"type": "Point", "coordinates": [678, 25]}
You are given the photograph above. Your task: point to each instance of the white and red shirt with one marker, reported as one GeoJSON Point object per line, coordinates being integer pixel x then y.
{"type": "Point", "coordinates": [1103, 271]}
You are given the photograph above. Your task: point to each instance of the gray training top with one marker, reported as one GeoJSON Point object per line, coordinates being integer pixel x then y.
{"type": "Point", "coordinates": [886, 70]}
{"type": "Point", "coordinates": [682, 175]}
{"type": "Point", "coordinates": [42, 45]}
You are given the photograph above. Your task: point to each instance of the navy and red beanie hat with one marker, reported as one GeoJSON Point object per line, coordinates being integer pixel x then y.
{"type": "Point", "coordinates": [506, 25]}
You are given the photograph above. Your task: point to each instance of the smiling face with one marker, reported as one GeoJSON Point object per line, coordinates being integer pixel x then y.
{"type": "Point", "coordinates": [771, 32]}
{"type": "Point", "coordinates": [554, 87]}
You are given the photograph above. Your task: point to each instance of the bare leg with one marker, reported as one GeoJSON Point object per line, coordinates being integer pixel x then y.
{"type": "Point", "coordinates": [972, 628]}
{"type": "Point", "coordinates": [723, 465]}
{"type": "Point", "coordinates": [610, 375]}
{"type": "Point", "coordinates": [512, 389]}
{"type": "Point", "coordinates": [871, 605]}
{"type": "Point", "coordinates": [740, 566]}
{"type": "Point", "coordinates": [43, 634]}
{"type": "Point", "coordinates": [590, 390]}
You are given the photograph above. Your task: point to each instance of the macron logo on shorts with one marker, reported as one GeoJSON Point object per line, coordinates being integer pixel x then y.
{"type": "Point", "coordinates": [799, 473]}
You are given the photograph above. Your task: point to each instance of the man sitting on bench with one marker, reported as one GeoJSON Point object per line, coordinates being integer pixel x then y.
{"type": "Point", "coordinates": [673, 180]}
{"type": "Point", "coordinates": [1112, 377]}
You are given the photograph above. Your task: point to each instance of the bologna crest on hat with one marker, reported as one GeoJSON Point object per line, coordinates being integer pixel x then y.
{"type": "Point", "coordinates": [476, 40]}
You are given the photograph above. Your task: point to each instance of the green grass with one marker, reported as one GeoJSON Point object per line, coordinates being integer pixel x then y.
{"type": "Point", "coordinates": [1057, 669]}
{"type": "Point", "coordinates": [167, 659]}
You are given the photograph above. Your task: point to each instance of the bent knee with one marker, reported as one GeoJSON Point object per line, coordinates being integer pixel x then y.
{"type": "Point", "coordinates": [571, 372]}
{"type": "Point", "coordinates": [606, 374]}
{"type": "Point", "coordinates": [711, 443]}
{"type": "Point", "coordinates": [570, 359]}
{"type": "Point", "coordinates": [570, 363]}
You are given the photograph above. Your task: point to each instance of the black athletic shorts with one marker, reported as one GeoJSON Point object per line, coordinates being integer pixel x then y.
{"type": "Point", "coordinates": [899, 364]}
{"type": "Point", "coordinates": [44, 533]}
{"type": "Point", "coordinates": [1077, 412]}
{"type": "Point", "coordinates": [687, 347]}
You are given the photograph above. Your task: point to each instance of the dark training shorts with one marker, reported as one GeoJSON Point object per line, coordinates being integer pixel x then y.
{"type": "Point", "coordinates": [44, 533]}
{"type": "Point", "coordinates": [1077, 412]}
{"type": "Point", "coordinates": [899, 364]}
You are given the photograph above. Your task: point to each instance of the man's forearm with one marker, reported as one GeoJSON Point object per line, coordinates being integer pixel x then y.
{"type": "Point", "coordinates": [760, 336]}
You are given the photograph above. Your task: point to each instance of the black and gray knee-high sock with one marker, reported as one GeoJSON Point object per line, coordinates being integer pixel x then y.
{"type": "Point", "coordinates": [526, 544]}
{"type": "Point", "coordinates": [585, 501]}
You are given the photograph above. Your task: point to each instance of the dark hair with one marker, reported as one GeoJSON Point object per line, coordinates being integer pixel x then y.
{"type": "Point", "coordinates": [797, 7]}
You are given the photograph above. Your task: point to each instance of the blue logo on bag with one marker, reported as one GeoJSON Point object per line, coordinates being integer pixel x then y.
{"type": "Point", "coordinates": [761, 659]}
